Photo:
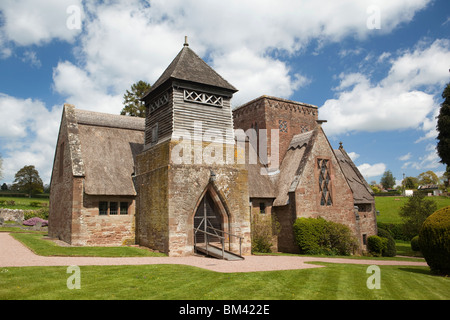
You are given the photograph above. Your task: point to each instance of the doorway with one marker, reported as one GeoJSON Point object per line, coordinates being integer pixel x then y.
{"type": "Point", "coordinates": [207, 218]}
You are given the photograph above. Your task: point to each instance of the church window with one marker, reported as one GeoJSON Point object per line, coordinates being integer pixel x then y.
{"type": "Point", "coordinates": [113, 208]}
{"type": "Point", "coordinates": [103, 208]}
{"type": "Point", "coordinates": [203, 98]}
{"type": "Point", "coordinates": [323, 165]}
{"type": "Point", "coordinates": [124, 207]}
{"type": "Point", "coordinates": [155, 134]}
{"type": "Point", "coordinates": [262, 207]}
{"type": "Point", "coordinates": [282, 125]}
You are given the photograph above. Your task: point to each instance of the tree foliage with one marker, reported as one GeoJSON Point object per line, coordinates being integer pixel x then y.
{"type": "Point", "coordinates": [28, 180]}
{"type": "Point", "coordinates": [410, 182]}
{"type": "Point", "coordinates": [133, 106]}
{"type": "Point", "coordinates": [428, 177]}
{"type": "Point", "coordinates": [434, 241]}
{"type": "Point", "coordinates": [387, 180]}
{"type": "Point", "coordinates": [414, 212]}
{"type": "Point", "coordinates": [443, 128]}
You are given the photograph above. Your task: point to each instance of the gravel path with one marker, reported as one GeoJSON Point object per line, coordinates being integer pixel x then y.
{"type": "Point", "coordinates": [14, 254]}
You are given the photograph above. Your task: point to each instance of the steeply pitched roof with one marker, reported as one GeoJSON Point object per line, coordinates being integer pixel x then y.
{"type": "Point", "coordinates": [106, 148]}
{"type": "Point", "coordinates": [188, 66]}
{"type": "Point", "coordinates": [362, 193]}
{"type": "Point", "coordinates": [292, 166]}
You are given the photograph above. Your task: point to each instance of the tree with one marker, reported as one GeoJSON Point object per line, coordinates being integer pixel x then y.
{"type": "Point", "coordinates": [27, 180]}
{"type": "Point", "coordinates": [387, 180]}
{"type": "Point", "coordinates": [414, 212]}
{"type": "Point", "coordinates": [133, 106]}
{"type": "Point", "coordinates": [443, 128]}
{"type": "Point", "coordinates": [410, 183]}
{"type": "Point", "coordinates": [428, 177]}
{"type": "Point", "coordinates": [4, 187]}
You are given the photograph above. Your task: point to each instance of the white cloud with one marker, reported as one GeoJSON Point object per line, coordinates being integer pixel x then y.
{"type": "Point", "coordinates": [250, 72]}
{"type": "Point", "coordinates": [404, 99]}
{"type": "Point", "coordinates": [126, 41]}
{"type": "Point", "coordinates": [353, 155]}
{"type": "Point", "coordinates": [430, 160]}
{"type": "Point", "coordinates": [28, 136]}
{"type": "Point", "coordinates": [28, 22]}
{"type": "Point", "coordinates": [369, 170]}
{"type": "Point", "coordinates": [405, 157]}
{"type": "Point", "coordinates": [30, 57]}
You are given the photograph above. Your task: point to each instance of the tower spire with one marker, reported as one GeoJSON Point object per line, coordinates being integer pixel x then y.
{"type": "Point", "coordinates": [186, 44]}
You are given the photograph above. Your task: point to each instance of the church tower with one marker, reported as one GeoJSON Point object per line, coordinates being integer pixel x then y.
{"type": "Point", "coordinates": [190, 184]}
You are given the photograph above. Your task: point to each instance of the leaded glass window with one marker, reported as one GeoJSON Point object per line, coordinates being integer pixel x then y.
{"type": "Point", "coordinates": [323, 165]}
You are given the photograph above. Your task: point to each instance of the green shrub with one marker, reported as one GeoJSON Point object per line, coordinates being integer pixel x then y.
{"type": "Point", "coordinates": [41, 213]}
{"type": "Point", "coordinates": [395, 229]}
{"type": "Point", "coordinates": [434, 241]}
{"type": "Point", "coordinates": [415, 244]}
{"type": "Point", "coordinates": [414, 212]}
{"type": "Point", "coordinates": [319, 236]}
{"type": "Point", "coordinates": [264, 228]}
{"type": "Point", "coordinates": [35, 204]}
{"type": "Point", "coordinates": [309, 234]}
{"type": "Point", "coordinates": [390, 250]}
{"type": "Point", "coordinates": [376, 245]}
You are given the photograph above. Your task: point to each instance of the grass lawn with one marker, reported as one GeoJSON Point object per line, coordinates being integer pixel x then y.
{"type": "Point", "coordinates": [389, 207]}
{"type": "Point", "coordinates": [23, 203]}
{"type": "Point", "coordinates": [177, 282]}
{"type": "Point", "coordinates": [43, 247]}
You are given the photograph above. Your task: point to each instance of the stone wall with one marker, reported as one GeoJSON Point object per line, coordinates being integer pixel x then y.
{"type": "Point", "coordinates": [305, 201]}
{"type": "Point", "coordinates": [289, 118]}
{"type": "Point", "coordinates": [170, 192]}
{"type": "Point", "coordinates": [62, 184]}
{"type": "Point", "coordinates": [92, 229]}
{"type": "Point", "coordinates": [12, 214]}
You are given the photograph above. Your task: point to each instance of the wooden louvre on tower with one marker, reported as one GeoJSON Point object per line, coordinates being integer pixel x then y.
{"type": "Point", "coordinates": [188, 90]}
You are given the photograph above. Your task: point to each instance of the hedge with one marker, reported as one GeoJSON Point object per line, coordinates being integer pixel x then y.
{"type": "Point", "coordinates": [434, 241]}
{"type": "Point", "coordinates": [319, 236]}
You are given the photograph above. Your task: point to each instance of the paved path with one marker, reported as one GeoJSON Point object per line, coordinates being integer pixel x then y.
{"type": "Point", "coordinates": [14, 254]}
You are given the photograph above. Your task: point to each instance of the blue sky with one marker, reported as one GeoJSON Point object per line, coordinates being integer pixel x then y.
{"type": "Point", "coordinates": [376, 69]}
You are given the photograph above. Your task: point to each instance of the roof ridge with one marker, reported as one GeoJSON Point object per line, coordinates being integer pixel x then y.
{"type": "Point", "coordinates": [101, 119]}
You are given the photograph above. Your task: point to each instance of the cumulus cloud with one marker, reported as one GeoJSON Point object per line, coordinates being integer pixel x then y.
{"type": "Point", "coordinates": [28, 136]}
{"type": "Point", "coordinates": [127, 41]}
{"type": "Point", "coordinates": [404, 99]}
{"type": "Point", "coordinates": [372, 170]}
{"type": "Point", "coordinates": [28, 22]}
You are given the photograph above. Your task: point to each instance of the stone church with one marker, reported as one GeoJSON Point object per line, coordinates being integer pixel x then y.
{"type": "Point", "coordinates": [190, 176]}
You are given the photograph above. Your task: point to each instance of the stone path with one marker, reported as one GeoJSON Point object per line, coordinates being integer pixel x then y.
{"type": "Point", "coordinates": [14, 254]}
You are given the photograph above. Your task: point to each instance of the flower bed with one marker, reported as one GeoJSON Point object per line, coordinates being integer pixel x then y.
{"type": "Point", "coordinates": [34, 220]}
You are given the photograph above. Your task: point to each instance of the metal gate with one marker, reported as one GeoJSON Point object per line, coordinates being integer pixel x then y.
{"type": "Point", "coordinates": [207, 217]}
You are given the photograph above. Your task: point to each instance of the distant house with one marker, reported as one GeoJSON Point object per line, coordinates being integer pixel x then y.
{"type": "Point", "coordinates": [119, 180]}
{"type": "Point", "coordinates": [431, 189]}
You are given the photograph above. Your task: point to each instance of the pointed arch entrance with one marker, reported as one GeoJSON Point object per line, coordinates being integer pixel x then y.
{"type": "Point", "coordinates": [210, 216]}
{"type": "Point", "coordinates": [211, 227]}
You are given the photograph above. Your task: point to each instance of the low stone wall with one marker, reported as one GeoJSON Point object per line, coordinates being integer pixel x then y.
{"type": "Point", "coordinates": [12, 214]}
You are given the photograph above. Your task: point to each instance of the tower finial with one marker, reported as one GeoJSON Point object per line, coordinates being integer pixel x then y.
{"type": "Point", "coordinates": [186, 44]}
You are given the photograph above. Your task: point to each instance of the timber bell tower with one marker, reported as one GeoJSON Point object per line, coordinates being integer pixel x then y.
{"type": "Point", "coordinates": [191, 188]}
